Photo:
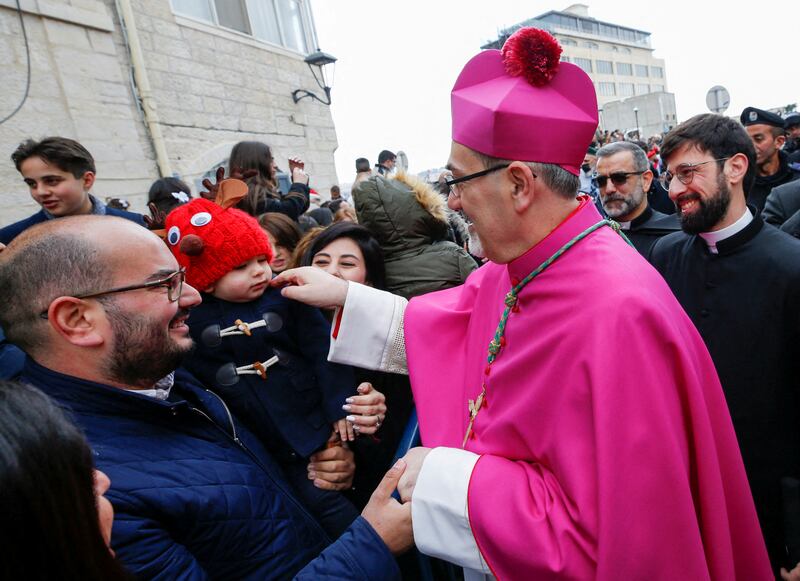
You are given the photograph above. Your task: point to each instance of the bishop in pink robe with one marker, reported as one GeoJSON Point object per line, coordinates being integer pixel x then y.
{"type": "Point", "coordinates": [606, 449]}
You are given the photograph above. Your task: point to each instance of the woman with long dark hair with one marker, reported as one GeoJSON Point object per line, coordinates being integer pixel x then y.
{"type": "Point", "coordinates": [351, 252]}
{"type": "Point", "coordinates": [56, 523]}
{"type": "Point", "coordinates": [263, 195]}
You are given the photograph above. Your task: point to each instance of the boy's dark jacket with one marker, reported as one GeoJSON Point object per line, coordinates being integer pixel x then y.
{"type": "Point", "coordinates": [301, 396]}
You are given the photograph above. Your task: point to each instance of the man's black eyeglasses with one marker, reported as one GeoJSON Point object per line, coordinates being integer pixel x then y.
{"type": "Point", "coordinates": [447, 181]}
{"type": "Point", "coordinates": [173, 283]}
{"type": "Point", "coordinates": [618, 178]}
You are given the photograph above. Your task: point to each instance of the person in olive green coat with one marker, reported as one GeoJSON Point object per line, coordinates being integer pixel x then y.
{"type": "Point", "coordinates": [410, 221]}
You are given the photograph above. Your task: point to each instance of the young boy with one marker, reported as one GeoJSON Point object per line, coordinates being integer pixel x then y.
{"type": "Point", "coordinates": [59, 172]}
{"type": "Point", "coordinates": [264, 354]}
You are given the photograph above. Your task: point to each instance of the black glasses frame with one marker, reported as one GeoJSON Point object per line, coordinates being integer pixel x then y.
{"type": "Point", "coordinates": [617, 178]}
{"type": "Point", "coordinates": [174, 290]}
{"type": "Point", "coordinates": [448, 184]}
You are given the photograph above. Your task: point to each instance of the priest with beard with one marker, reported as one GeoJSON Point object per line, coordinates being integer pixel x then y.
{"type": "Point", "coordinates": [738, 279]}
{"type": "Point", "coordinates": [624, 177]}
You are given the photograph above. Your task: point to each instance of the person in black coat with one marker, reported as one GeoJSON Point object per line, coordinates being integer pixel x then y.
{"type": "Point", "coordinates": [624, 177]}
{"type": "Point", "coordinates": [739, 281]}
{"type": "Point", "coordinates": [254, 159]}
{"type": "Point", "coordinates": [766, 129]}
{"type": "Point", "coordinates": [782, 203]}
{"type": "Point", "coordinates": [351, 252]}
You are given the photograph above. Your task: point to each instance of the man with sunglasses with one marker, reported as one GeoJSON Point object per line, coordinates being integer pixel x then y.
{"type": "Point", "coordinates": [624, 177]}
{"type": "Point", "coordinates": [738, 279]}
{"type": "Point", "coordinates": [572, 421]}
{"type": "Point", "coordinates": [99, 305]}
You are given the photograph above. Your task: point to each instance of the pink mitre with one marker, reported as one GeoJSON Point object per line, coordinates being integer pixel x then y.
{"type": "Point", "coordinates": [522, 104]}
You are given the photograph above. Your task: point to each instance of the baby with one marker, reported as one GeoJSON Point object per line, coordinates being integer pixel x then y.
{"type": "Point", "coordinates": [265, 354]}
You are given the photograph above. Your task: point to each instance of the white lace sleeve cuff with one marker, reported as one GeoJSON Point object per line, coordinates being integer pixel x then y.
{"type": "Point", "coordinates": [370, 332]}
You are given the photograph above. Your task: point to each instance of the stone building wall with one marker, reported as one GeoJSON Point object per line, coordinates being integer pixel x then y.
{"type": "Point", "coordinates": [212, 87]}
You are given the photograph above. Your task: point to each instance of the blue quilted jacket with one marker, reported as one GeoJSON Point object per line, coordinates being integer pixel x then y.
{"type": "Point", "coordinates": [196, 496]}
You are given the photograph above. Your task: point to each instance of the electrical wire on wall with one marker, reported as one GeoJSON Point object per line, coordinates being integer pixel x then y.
{"type": "Point", "coordinates": [28, 60]}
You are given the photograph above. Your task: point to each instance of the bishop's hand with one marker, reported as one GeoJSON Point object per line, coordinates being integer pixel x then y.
{"type": "Point", "coordinates": [414, 459]}
{"type": "Point", "coordinates": [312, 286]}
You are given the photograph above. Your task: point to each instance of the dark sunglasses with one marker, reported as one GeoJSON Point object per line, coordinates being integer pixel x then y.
{"type": "Point", "coordinates": [617, 178]}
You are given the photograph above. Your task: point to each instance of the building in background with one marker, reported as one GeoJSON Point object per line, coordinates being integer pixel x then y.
{"type": "Point", "coordinates": [620, 62]}
{"type": "Point", "coordinates": [218, 72]}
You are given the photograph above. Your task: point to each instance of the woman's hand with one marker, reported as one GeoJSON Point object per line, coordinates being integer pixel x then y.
{"type": "Point", "coordinates": [367, 410]}
{"type": "Point", "coordinates": [297, 169]}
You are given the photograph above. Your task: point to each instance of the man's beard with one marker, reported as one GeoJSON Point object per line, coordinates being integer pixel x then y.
{"type": "Point", "coordinates": [711, 210]}
{"type": "Point", "coordinates": [474, 244]}
{"type": "Point", "coordinates": [629, 203]}
{"type": "Point", "coordinates": [143, 351]}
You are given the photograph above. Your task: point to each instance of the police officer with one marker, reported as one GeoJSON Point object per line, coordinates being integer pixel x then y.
{"type": "Point", "coordinates": [766, 129]}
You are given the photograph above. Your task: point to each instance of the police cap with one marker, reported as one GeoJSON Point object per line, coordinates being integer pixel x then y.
{"type": "Point", "coordinates": [792, 120]}
{"type": "Point", "coordinates": [753, 116]}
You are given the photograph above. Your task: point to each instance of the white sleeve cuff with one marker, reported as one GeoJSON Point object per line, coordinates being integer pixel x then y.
{"type": "Point", "coordinates": [371, 330]}
{"type": "Point", "coordinates": [440, 512]}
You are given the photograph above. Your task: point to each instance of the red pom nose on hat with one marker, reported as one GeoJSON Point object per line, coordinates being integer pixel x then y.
{"type": "Point", "coordinates": [522, 104]}
{"type": "Point", "coordinates": [210, 241]}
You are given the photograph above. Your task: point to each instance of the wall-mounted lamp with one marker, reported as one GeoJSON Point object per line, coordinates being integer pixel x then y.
{"type": "Point", "coordinates": [317, 61]}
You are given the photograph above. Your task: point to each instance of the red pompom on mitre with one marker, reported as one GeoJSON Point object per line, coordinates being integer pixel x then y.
{"type": "Point", "coordinates": [532, 53]}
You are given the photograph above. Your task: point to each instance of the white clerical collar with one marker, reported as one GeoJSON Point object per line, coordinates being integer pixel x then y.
{"type": "Point", "coordinates": [160, 389]}
{"type": "Point", "coordinates": [714, 238]}
{"type": "Point", "coordinates": [625, 225]}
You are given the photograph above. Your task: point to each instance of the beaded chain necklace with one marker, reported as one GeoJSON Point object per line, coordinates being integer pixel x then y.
{"type": "Point", "coordinates": [497, 344]}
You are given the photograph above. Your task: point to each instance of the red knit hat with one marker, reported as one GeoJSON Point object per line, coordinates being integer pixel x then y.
{"type": "Point", "coordinates": [210, 240]}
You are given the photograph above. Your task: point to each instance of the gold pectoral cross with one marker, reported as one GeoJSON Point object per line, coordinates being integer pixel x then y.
{"type": "Point", "coordinates": [474, 408]}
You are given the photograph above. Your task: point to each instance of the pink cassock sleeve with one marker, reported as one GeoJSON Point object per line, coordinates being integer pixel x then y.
{"type": "Point", "coordinates": [661, 493]}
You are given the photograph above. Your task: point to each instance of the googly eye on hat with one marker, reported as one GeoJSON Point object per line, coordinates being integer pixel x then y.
{"type": "Point", "coordinates": [200, 219]}
{"type": "Point", "coordinates": [174, 235]}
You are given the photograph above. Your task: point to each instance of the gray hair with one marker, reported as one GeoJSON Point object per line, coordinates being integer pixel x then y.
{"type": "Point", "coordinates": [37, 268]}
{"type": "Point", "coordinates": [640, 162]}
{"type": "Point", "coordinates": [553, 176]}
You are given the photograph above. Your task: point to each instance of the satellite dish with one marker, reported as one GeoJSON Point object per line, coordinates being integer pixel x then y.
{"type": "Point", "coordinates": [402, 161]}
{"type": "Point", "coordinates": [718, 99]}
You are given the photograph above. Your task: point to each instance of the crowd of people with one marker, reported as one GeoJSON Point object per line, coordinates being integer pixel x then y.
{"type": "Point", "coordinates": [597, 334]}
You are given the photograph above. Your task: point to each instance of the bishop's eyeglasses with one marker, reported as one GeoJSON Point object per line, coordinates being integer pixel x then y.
{"type": "Point", "coordinates": [450, 185]}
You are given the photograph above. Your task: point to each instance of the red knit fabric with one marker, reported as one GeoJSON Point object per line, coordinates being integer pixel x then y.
{"type": "Point", "coordinates": [229, 238]}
